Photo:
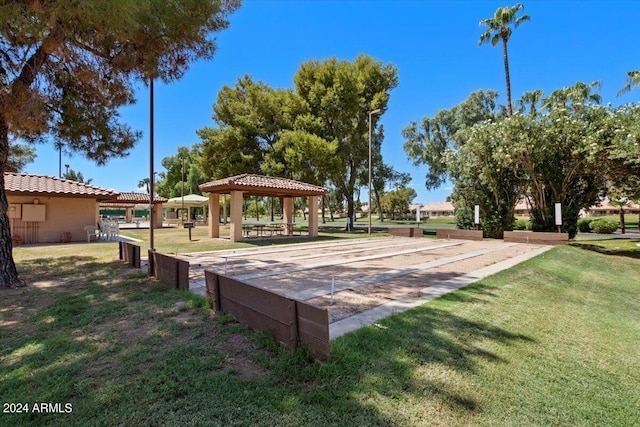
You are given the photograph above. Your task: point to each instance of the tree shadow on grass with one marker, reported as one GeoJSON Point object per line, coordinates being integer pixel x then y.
{"type": "Point", "coordinates": [629, 252]}
{"type": "Point", "coordinates": [395, 353]}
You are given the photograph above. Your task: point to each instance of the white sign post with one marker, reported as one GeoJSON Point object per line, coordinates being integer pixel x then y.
{"type": "Point", "coordinates": [476, 215]}
{"type": "Point", "coordinates": [558, 217]}
{"type": "Point", "coordinates": [418, 213]}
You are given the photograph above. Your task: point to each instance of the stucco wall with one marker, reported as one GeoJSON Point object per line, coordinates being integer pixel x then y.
{"type": "Point", "coordinates": [62, 215]}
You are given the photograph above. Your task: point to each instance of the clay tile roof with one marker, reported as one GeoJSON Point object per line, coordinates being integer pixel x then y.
{"type": "Point", "coordinates": [22, 183]}
{"type": "Point", "coordinates": [137, 198]}
{"type": "Point", "coordinates": [261, 185]}
{"type": "Point", "coordinates": [439, 207]}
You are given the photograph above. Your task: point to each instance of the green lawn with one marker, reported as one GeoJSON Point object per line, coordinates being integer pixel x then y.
{"type": "Point", "coordinates": [553, 341]}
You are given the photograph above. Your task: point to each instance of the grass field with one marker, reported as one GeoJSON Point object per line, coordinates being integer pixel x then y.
{"type": "Point", "coordinates": [553, 341]}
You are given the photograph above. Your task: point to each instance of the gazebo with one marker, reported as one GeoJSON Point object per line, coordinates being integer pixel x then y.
{"type": "Point", "coordinates": [128, 201]}
{"type": "Point", "coordinates": [258, 185]}
{"type": "Point", "coordinates": [188, 201]}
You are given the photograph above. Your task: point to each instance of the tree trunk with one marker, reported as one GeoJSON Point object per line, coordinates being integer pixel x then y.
{"type": "Point", "coordinates": [272, 210]}
{"type": "Point", "coordinates": [507, 76]}
{"type": "Point", "coordinates": [622, 227]}
{"type": "Point", "coordinates": [379, 205]}
{"type": "Point", "coordinates": [8, 271]}
{"type": "Point", "coordinates": [324, 219]}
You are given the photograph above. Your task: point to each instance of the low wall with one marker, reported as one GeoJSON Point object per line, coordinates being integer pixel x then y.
{"type": "Point", "coordinates": [443, 233]}
{"type": "Point", "coordinates": [130, 254]}
{"type": "Point", "coordinates": [290, 321]}
{"type": "Point", "coordinates": [544, 238]}
{"type": "Point", "coordinates": [406, 231]}
{"type": "Point", "coordinates": [169, 270]}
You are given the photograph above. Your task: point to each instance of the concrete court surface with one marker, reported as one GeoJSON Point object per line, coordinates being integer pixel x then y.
{"type": "Point", "coordinates": [360, 281]}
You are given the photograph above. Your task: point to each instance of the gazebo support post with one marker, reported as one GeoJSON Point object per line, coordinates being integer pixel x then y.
{"type": "Point", "coordinates": [313, 216]}
{"type": "Point", "coordinates": [214, 215]}
{"type": "Point", "coordinates": [235, 231]}
{"type": "Point", "coordinates": [287, 211]}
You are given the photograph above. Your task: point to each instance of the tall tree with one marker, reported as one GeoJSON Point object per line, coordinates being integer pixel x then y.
{"type": "Point", "coordinates": [339, 95]}
{"type": "Point", "coordinates": [19, 156]}
{"type": "Point", "coordinates": [249, 119]}
{"type": "Point", "coordinates": [633, 81]}
{"type": "Point", "coordinates": [76, 176]}
{"type": "Point", "coordinates": [66, 68]}
{"type": "Point", "coordinates": [499, 28]}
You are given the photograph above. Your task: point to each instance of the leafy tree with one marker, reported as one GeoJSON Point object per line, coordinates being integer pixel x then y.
{"type": "Point", "coordinates": [397, 202]}
{"type": "Point", "coordinates": [19, 156]}
{"type": "Point", "coordinates": [561, 153]}
{"type": "Point", "coordinates": [66, 68]}
{"type": "Point", "coordinates": [339, 96]}
{"type": "Point", "coordinates": [499, 28]}
{"type": "Point", "coordinates": [171, 182]}
{"type": "Point", "coordinates": [442, 143]}
{"type": "Point", "coordinates": [76, 176]}
{"type": "Point", "coordinates": [249, 119]}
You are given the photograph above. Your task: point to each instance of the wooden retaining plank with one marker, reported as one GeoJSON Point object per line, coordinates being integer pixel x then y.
{"type": "Point", "coordinates": [171, 271]}
{"type": "Point", "coordinates": [405, 231]}
{"type": "Point", "coordinates": [537, 237]}
{"type": "Point", "coordinates": [313, 329]}
{"type": "Point", "coordinates": [213, 289]}
{"type": "Point", "coordinates": [259, 309]}
{"type": "Point", "coordinates": [268, 303]}
{"type": "Point", "coordinates": [445, 233]}
{"type": "Point", "coordinates": [129, 253]}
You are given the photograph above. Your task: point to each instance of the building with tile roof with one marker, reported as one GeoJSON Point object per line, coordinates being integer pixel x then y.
{"type": "Point", "coordinates": [43, 208]}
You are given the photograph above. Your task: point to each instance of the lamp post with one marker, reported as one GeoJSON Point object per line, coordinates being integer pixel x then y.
{"type": "Point", "coordinates": [151, 173]}
{"type": "Point", "coordinates": [371, 113]}
{"type": "Point", "coordinates": [182, 210]}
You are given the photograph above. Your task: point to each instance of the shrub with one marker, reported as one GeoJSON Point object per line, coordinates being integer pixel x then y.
{"type": "Point", "coordinates": [584, 225]}
{"type": "Point", "coordinates": [521, 224]}
{"type": "Point", "coordinates": [464, 218]}
{"type": "Point", "coordinates": [604, 226]}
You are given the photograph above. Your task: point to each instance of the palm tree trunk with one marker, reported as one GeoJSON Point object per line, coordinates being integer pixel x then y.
{"type": "Point", "coordinates": [507, 76]}
{"type": "Point", "coordinates": [622, 227]}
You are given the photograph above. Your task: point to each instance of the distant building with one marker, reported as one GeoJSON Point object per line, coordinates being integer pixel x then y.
{"type": "Point", "coordinates": [438, 210]}
{"type": "Point", "coordinates": [606, 208]}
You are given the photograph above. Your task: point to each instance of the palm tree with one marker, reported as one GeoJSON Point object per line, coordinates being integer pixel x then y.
{"type": "Point", "coordinates": [633, 81]}
{"type": "Point", "coordinates": [530, 99]}
{"type": "Point", "coordinates": [499, 28]}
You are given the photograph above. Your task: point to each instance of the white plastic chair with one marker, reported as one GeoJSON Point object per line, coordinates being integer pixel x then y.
{"type": "Point", "coordinates": [114, 229]}
{"type": "Point", "coordinates": [91, 232]}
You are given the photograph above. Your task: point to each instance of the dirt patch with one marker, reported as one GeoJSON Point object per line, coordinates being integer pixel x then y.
{"type": "Point", "coordinates": [240, 353]}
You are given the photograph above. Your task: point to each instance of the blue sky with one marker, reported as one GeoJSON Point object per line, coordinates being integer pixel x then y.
{"type": "Point", "coordinates": [434, 45]}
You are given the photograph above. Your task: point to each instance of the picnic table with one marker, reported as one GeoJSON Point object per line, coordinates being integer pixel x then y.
{"type": "Point", "coordinates": [261, 230]}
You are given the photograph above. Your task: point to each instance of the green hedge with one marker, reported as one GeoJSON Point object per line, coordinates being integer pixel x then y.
{"type": "Point", "coordinates": [584, 225]}
{"type": "Point", "coordinates": [604, 226]}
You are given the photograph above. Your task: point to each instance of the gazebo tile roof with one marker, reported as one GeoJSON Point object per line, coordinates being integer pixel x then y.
{"type": "Point", "coordinates": [42, 184]}
{"type": "Point", "coordinates": [261, 182]}
{"type": "Point", "coordinates": [129, 197]}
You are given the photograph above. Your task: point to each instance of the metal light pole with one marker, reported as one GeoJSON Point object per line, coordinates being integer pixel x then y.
{"type": "Point", "coordinates": [371, 113]}
{"type": "Point", "coordinates": [182, 210]}
{"type": "Point", "coordinates": [151, 173]}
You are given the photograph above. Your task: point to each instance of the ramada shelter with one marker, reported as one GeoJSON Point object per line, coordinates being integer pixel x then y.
{"type": "Point", "coordinates": [43, 208]}
{"type": "Point", "coordinates": [243, 185]}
